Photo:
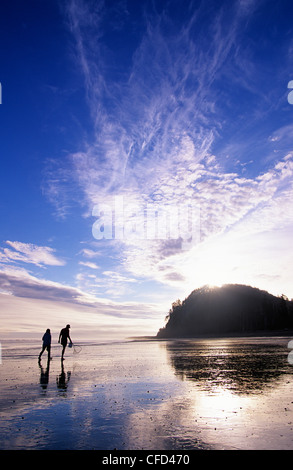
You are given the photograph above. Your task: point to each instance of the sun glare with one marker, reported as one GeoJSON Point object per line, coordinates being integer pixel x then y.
{"type": "Point", "coordinates": [221, 404]}
{"type": "Point", "coordinates": [210, 264]}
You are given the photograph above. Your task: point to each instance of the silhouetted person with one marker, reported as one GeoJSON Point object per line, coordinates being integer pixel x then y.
{"type": "Point", "coordinates": [63, 336]}
{"type": "Point", "coordinates": [46, 344]}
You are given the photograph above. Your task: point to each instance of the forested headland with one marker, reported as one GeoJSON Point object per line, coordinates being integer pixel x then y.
{"type": "Point", "coordinates": [230, 309]}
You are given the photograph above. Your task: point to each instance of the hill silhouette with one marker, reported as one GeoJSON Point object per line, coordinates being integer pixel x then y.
{"type": "Point", "coordinates": [230, 309]}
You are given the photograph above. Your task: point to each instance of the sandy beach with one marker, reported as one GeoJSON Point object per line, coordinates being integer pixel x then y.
{"type": "Point", "coordinates": [220, 394]}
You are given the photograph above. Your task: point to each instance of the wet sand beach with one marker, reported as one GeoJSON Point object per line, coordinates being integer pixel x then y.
{"type": "Point", "coordinates": [213, 394]}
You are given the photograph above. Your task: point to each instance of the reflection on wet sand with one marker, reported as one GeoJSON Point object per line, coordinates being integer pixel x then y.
{"type": "Point", "coordinates": [62, 379]}
{"type": "Point", "coordinates": [204, 394]}
{"type": "Point", "coordinates": [240, 367]}
{"type": "Point", "coordinates": [44, 377]}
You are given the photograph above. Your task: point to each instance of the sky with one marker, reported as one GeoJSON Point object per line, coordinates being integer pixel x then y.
{"type": "Point", "coordinates": [146, 150]}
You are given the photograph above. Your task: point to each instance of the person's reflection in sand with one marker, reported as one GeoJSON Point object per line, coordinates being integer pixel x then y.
{"type": "Point", "coordinates": [44, 377]}
{"type": "Point", "coordinates": [63, 379]}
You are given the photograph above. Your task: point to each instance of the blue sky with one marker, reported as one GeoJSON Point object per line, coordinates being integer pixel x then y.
{"type": "Point", "coordinates": [114, 111]}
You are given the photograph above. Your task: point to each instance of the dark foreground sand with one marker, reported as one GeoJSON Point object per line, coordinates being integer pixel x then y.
{"type": "Point", "coordinates": [167, 395]}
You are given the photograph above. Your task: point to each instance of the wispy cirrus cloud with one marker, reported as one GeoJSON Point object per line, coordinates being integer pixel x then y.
{"type": "Point", "coordinates": [29, 253]}
{"type": "Point", "coordinates": [89, 264]}
{"type": "Point", "coordinates": [240, 218]}
{"type": "Point", "coordinates": [163, 116]}
{"type": "Point", "coordinates": [165, 98]}
{"type": "Point", "coordinates": [158, 124]}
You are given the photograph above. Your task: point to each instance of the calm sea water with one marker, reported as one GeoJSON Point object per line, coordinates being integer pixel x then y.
{"type": "Point", "coordinates": [189, 394]}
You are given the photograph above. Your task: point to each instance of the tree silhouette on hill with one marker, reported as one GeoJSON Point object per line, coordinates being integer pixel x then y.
{"type": "Point", "coordinates": [229, 309]}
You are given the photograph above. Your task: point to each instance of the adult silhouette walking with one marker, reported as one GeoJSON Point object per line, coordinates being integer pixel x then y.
{"type": "Point", "coordinates": [46, 344]}
{"type": "Point", "coordinates": [63, 337]}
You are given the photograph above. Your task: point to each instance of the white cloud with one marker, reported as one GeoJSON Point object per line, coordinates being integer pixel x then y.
{"type": "Point", "coordinates": [88, 253]}
{"type": "Point", "coordinates": [155, 132]}
{"type": "Point", "coordinates": [88, 264]}
{"type": "Point", "coordinates": [30, 253]}
{"type": "Point", "coordinates": [245, 225]}
{"type": "Point", "coordinates": [158, 126]}
{"type": "Point", "coordinates": [160, 116]}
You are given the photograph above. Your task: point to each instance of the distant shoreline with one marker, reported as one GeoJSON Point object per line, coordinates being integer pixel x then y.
{"type": "Point", "coordinates": [251, 334]}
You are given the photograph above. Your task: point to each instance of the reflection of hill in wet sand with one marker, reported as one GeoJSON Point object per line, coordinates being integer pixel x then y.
{"type": "Point", "coordinates": [231, 309]}
{"type": "Point", "coordinates": [241, 367]}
